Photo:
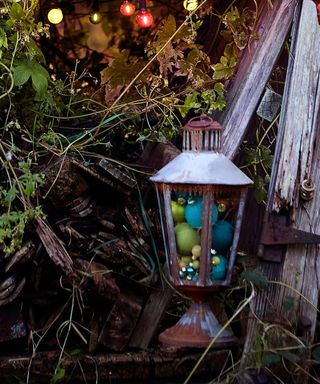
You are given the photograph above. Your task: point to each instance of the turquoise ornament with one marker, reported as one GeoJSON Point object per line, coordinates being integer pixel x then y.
{"type": "Point", "coordinates": [219, 269]}
{"type": "Point", "coordinates": [193, 212]}
{"type": "Point", "coordinates": [222, 236]}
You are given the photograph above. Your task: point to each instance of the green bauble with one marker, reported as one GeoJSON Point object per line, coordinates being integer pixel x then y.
{"type": "Point", "coordinates": [222, 236]}
{"type": "Point", "coordinates": [177, 212]}
{"type": "Point", "coordinates": [186, 238]}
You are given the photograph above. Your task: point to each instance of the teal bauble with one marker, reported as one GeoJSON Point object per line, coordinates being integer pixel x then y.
{"type": "Point", "coordinates": [222, 236]}
{"type": "Point", "coordinates": [186, 238]}
{"type": "Point", "coordinates": [219, 268]}
{"type": "Point", "coordinates": [193, 212]}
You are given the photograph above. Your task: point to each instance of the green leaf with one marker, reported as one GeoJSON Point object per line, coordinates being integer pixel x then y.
{"type": "Point", "coordinates": [21, 74]}
{"type": "Point", "coordinates": [3, 39]}
{"type": "Point", "coordinates": [269, 358]}
{"type": "Point", "coordinates": [59, 375]}
{"type": "Point", "coordinates": [166, 31]}
{"type": "Point", "coordinates": [30, 68]}
{"type": "Point", "coordinates": [16, 12]}
{"type": "Point", "coordinates": [190, 102]}
{"type": "Point", "coordinates": [11, 195]}
{"type": "Point", "coordinates": [260, 192]}
{"type": "Point", "coordinates": [255, 276]}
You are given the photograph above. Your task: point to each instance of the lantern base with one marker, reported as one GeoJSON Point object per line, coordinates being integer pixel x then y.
{"type": "Point", "coordinates": [196, 329]}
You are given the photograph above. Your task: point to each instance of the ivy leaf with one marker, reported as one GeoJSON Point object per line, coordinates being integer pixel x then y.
{"type": "Point", "coordinates": [260, 192]}
{"type": "Point", "coordinates": [166, 31]}
{"type": "Point", "coordinates": [266, 156]}
{"type": "Point", "coordinates": [121, 71]}
{"type": "Point", "coordinates": [256, 277]}
{"type": "Point", "coordinates": [190, 102]}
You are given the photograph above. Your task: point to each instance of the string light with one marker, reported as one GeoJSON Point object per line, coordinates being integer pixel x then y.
{"type": "Point", "coordinates": [95, 17]}
{"type": "Point", "coordinates": [127, 8]}
{"type": "Point", "coordinates": [144, 19]}
{"type": "Point", "coordinates": [55, 15]}
{"type": "Point", "coordinates": [190, 5]}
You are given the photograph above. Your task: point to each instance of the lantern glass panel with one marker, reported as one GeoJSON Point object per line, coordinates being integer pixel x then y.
{"type": "Point", "coordinates": [201, 227]}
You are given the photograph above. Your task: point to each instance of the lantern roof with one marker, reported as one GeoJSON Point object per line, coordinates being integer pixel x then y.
{"type": "Point", "coordinates": [201, 161]}
{"type": "Point", "coordinates": [211, 168]}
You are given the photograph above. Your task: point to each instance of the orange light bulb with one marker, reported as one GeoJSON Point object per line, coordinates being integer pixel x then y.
{"type": "Point", "coordinates": [127, 8]}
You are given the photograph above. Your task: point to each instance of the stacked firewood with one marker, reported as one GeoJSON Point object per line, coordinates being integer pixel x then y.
{"type": "Point", "coordinates": [85, 270]}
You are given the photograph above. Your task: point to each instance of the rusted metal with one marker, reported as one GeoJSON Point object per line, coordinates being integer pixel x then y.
{"type": "Point", "coordinates": [307, 189]}
{"type": "Point", "coordinates": [275, 234]}
{"type": "Point", "coordinates": [196, 328]}
{"type": "Point", "coordinates": [204, 176]}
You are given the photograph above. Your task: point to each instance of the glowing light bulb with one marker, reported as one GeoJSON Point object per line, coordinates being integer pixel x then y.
{"type": "Point", "coordinates": [127, 8]}
{"type": "Point", "coordinates": [55, 15]}
{"type": "Point", "coordinates": [95, 17]}
{"type": "Point", "coordinates": [144, 19]}
{"type": "Point", "coordinates": [190, 5]}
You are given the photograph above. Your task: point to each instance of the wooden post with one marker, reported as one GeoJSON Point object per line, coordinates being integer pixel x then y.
{"type": "Point", "coordinates": [297, 158]}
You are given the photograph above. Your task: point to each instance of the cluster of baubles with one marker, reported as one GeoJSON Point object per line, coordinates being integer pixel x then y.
{"type": "Point", "coordinates": [187, 217]}
{"type": "Point", "coordinates": [144, 18]}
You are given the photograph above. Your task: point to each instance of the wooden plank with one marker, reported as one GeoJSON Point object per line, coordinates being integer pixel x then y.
{"type": "Point", "coordinates": [298, 127]}
{"type": "Point", "coordinates": [254, 71]}
{"type": "Point", "coordinates": [113, 368]}
{"type": "Point", "coordinates": [121, 322]}
{"type": "Point", "coordinates": [151, 317]}
{"type": "Point", "coordinates": [299, 113]}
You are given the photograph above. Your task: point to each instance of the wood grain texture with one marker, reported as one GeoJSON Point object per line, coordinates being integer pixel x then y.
{"type": "Point", "coordinates": [254, 71]}
{"type": "Point", "coordinates": [297, 157]}
{"type": "Point", "coordinates": [300, 111]}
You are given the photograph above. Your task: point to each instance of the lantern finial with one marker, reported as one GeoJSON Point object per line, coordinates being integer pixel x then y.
{"type": "Point", "coordinates": [202, 134]}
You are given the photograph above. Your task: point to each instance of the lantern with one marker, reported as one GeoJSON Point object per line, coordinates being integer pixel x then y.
{"type": "Point", "coordinates": [201, 196]}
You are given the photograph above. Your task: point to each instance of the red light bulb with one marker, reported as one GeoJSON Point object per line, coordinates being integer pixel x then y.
{"type": "Point", "coordinates": [127, 8]}
{"type": "Point", "coordinates": [144, 19]}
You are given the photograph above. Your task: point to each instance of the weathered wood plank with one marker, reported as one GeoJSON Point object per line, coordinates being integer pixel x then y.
{"type": "Point", "coordinates": [151, 317]}
{"type": "Point", "coordinates": [299, 112]}
{"type": "Point", "coordinates": [113, 368]}
{"type": "Point", "coordinates": [297, 131]}
{"type": "Point", "coordinates": [254, 71]}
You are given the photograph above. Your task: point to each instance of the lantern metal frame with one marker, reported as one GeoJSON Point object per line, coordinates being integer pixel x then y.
{"type": "Point", "coordinates": [200, 170]}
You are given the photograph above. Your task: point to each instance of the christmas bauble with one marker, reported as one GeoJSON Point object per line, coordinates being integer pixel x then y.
{"type": "Point", "coordinates": [177, 212]}
{"type": "Point", "coordinates": [222, 236]}
{"type": "Point", "coordinates": [193, 212]}
{"type": "Point", "coordinates": [219, 268]}
{"type": "Point", "coordinates": [186, 238]}
{"type": "Point", "coordinates": [196, 252]}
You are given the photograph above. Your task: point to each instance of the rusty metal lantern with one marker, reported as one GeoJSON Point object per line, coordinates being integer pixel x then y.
{"type": "Point", "coordinates": [201, 196]}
